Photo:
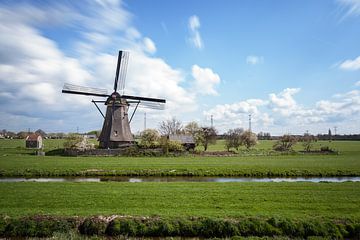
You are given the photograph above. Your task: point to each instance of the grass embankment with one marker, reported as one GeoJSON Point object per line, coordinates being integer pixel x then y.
{"type": "Point", "coordinates": [289, 200]}
{"type": "Point", "coordinates": [15, 162]}
{"type": "Point", "coordinates": [182, 209]}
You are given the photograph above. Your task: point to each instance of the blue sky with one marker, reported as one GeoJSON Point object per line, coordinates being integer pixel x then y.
{"type": "Point", "coordinates": [293, 65]}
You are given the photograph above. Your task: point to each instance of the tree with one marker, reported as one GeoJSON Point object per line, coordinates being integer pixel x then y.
{"type": "Point", "coordinates": [193, 129]}
{"type": "Point", "coordinates": [72, 140]}
{"type": "Point", "coordinates": [248, 139]}
{"type": "Point", "coordinates": [308, 142]}
{"type": "Point", "coordinates": [330, 137]}
{"type": "Point", "coordinates": [149, 138]}
{"type": "Point", "coordinates": [233, 138]}
{"type": "Point", "coordinates": [285, 143]}
{"type": "Point", "coordinates": [206, 136]}
{"type": "Point", "coordinates": [22, 134]}
{"type": "Point", "coordinates": [170, 127]}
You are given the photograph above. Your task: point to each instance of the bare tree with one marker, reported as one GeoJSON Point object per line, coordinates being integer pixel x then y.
{"type": "Point", "coordinates": [192, 128]}
{"type": "Point", "coordinates": [285, 143]}
{"type": "Point", "coordinates": [248, 139]}
{"type": "Point", "coordinates": [169, 127]}
{"type": "Point", "coordinates": [206, 136]}
{"type": "Point", "coordinates": [233, 138]}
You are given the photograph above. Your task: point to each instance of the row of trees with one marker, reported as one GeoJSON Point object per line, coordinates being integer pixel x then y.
{"type": "Point", "coordinates": [203, 136]}
{"type": "Point", "coordinates": [234, 138]}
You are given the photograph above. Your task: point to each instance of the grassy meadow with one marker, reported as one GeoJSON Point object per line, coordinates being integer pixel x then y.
{"type": "Point", "coordinates": [221, 200]}
{"type": "Point", "coordinates": [293, 201]}
{"type": "Point", "coordinates": [15, 160]}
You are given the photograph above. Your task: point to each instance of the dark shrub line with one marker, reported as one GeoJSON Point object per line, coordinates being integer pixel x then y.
{"type": "Point", "coordinates": [184, 227]}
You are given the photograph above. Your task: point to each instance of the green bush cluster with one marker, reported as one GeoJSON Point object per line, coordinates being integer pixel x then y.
{"type": "Point", "coordinates": [184, 227]}
{"type": "Point", "coordinates": [224, 228]}
{"type": "Point", "coordinates": [35, 227]}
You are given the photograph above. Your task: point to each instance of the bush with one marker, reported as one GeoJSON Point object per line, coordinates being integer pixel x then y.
{"type": "Point", "coordinates": [93, 226]}
{"type": "Point", "coordinates": [149, 138]}
{"type": "Point", "coordinates": [170, 146]}
{"type": "Point", "coordinates": [195, 227]}
{"type": "Point", "coordinates": [248, 139]}
{"type": "Point", "coordinates": [72, 140]}
{"type": "Point", "coordinates": [285, 143]}
{"type": "Point", "coordinates": [40, 227]}
{"type": "Point", "coordinates": [126, 227]}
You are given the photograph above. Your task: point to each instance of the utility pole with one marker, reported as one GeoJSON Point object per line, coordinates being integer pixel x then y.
{"type": "Point", "coordinates": [335, 128]}
{"type": "Point", "coordinates": [144, 121]}
{"type": "Point", "coordinates": [212, 121]}
{"type": "Point", "coordinates": [249, 122]}
{"type": "Point", "coordinates": [77, 130]}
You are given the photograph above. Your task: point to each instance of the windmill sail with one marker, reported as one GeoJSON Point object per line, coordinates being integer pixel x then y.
{"type": "Point", "coordinates": [75, 89]}
{"type": "Point", "coordinates": [121, 68]}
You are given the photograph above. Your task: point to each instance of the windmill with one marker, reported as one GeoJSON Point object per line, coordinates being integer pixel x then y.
{"type": "Point", "coordinates": [116, 131]}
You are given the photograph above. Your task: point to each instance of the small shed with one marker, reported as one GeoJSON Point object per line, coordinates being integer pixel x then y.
{"type": "Point", "coordinates": [34, 141]}
{"type": "Point", "coordinates": [186, 140]}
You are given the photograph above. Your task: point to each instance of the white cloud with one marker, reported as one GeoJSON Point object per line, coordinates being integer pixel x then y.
{"type": "Point", "coordinates": [351, 64]}
{"type": "Point", "coordinates": [195, 37]}
{"type": "Point", "coordinates": [357, 84]}
{"type": "Point", "coordinates": [235, 115]}
{"type": "Point", "coordinates": [149, 45]}
{"type": "Point", "coordinates": [352, 7]}
{"type": "Point", "coordinates": [254, 60]}
{"type": "Point", "coordinates": [32, 72]}
{"type": "Point", "coordinates": [205, 80]}
{"type": "Point", "coordinates": [284, 99]}
{"type": "Point", "coordinates": [280, 112]}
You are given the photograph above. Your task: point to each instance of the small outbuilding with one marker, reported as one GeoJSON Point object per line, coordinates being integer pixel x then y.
{"type": "Point", "coordinates": [187, 141]}
{"type": "Point", "coordinates": [34, 141]}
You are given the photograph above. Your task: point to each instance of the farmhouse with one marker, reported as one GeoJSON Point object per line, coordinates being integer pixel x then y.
{"type": "Point", "coordinates": [33, 141]}
{"type": "Point", "coordinates": [186, 140]}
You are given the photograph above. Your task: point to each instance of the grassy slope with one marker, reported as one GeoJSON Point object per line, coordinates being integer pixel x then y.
{"type": "Point", "coordinates": [290, 200]}
{"type": "Point", "coordinates": [14, 162]}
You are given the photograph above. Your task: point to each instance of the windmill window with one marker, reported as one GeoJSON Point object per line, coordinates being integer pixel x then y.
{"type": "Point", "coordinates": [115, 133]}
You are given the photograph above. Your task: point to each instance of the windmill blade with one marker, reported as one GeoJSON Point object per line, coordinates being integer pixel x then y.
{"type": "Point", "coordinates": [147, 99]}
{"type": "Point", "coordinates": [121, 68]}
{"type": "Point", "coordinates": [75, 89]}
{"type": "Point", "coordinates": [150, 105]}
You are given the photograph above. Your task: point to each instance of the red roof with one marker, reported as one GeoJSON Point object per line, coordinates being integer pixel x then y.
{"type": "Point", "coordinates": [32, 137]}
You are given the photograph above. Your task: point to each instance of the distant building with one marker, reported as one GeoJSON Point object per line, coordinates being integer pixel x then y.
{"type": "Point", "coordinates": [186, 140]}
{"type": "Point", "coordinates": [34, 141]}
{"type": "Point", "coordinates": [90, 136]}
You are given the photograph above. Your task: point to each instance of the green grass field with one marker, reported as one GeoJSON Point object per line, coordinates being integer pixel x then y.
{"type": "Point", "coordinates": [289, 200]}
{"type": "Point", "coordinates": [16, 161]}
{"type": "Point", "coordinates": [296, 201]}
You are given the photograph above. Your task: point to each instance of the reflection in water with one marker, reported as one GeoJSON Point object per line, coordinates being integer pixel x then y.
{"type": "Point", "coordinates": [183, 179]}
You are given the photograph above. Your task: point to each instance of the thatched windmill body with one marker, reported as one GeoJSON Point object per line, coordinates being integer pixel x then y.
{"type": "Point", "coordinates": [116, 131]}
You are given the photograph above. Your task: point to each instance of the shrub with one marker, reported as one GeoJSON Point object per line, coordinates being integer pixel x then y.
{"type": "Point", "coordinates": [233, 138]}
{"type": "Point", "coordinates": [170, 146]}
{"type": "Point", "coordinates": [285, 143]}
{"type": "Point", "coordinates": [149, 138]}
{"type": "Point", "coordinates": [72, 140]}
{"type": "Point", "coordinates": [126, 227]}
{"type": "Point", "coordinates": [248, 139]}
{"type": "Point", "coordinates": [92, 226]}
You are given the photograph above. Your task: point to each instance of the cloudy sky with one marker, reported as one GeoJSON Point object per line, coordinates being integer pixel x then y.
{"type": "Point", "coordinates": [293, 65]}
